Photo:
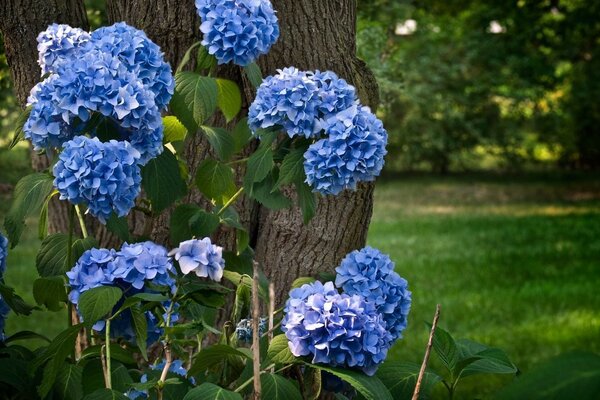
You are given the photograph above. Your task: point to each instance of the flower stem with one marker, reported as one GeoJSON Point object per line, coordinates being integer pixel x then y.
{"type": "Point", "coordinates": [241, 160]}
{"type": "Point", "coordinates": [231, 201]}
{"type": "Point", "coordinates": [107, 354]}
{"type": "Point", "coordinates": [81, 222]}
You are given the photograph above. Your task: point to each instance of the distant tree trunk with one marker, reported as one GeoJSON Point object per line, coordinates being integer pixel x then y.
{"type": "Point", "coordinates": [315, 34]}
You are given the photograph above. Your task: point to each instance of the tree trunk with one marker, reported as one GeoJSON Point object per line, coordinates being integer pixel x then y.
{"type": "Point", "coordinates": [315, 34]}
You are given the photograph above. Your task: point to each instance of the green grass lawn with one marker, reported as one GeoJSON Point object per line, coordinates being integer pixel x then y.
{"type": "Point", "coordinates": [515, 263]}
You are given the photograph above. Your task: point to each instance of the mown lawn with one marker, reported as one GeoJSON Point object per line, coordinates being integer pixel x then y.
{"type": "Point", "coordinates": [514, 262]}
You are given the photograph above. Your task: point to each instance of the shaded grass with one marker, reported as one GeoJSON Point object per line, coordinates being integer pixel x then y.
{"type": "Point", "coordinates": [514, 264]}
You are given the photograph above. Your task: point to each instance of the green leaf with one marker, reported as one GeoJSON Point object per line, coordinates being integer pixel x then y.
{"type": "Point", "coordinates": [229, 98]}
{"type": "Point", "coordinates": [50, 292]}
{"type": "Point", "coordinates": [95, 304]}
{"type": "Point", "coordinates": [265, 193]}
{"type": "Point", "coordinates": [52, 257]}
{"type": "Point", "coordinates": [370, 387]}
{"type": "Point", "coordinates": [574, 375]}
{"type": "Point", "coordinates": [215, 180]}
{"type": "Point", "coordinates": [174, 130]}
{"type": "Point", "coordinates": [118, 226]}
{"type": "Point", "coordinates": [221, 141]}
{"type": "Point", "coordinates": [105, 394]}
{"type": "Point", "coordinates": [29, 196]}
{"type": "Point", "coordinates": [292, 168]}
{"type": "Point", "coordinates": [14, 373]}
{"type": "Point", "coordinates": [140, 325]}
{"type": "Point", "coordinates": [68, 382]}
{"type": "Point", "coordinates": [14, 301]}
{"type": "Point", "coordinates": [180, 223]}
{"type": "Point", "coordinates": [307, 201]}
{"type": "Point", "coordinates": [279, 350]}
{"type": "Point", "coordinates": [401, 378]}
{"type": "Point", "coordinates": [231, 218]}
{"type": "Point", "coordinates": [259, 165]}
{"type": "Point", "coordinates": [241, 135]}
{"type": "Point", "coordinates": [303, 280]}
{"type": "Point", "coordinates": [43, 221]}
{"type": "Point", "coordinates": [445, 347]}
{"type": "Point", "coordinates": [204, 60]}
{"type": "Point", "coordinates": [242, 240]}
{"type": "Point", "coordinates": [203, 224]}
{"type": "Point", "coordinates": [79, 247]}
{"type": "Point", "coordinates": [241, 306]}
{"type": "Point", "coordinates": [276, 387]}
{"type": "Point", "coordinates": [194, 100]}
{"type": "Point", "coordinates": [116, 353]}
{"type": "Point", "coordinates": [254, 74]}
{"type": "Point", "coordinates": [210, 391]}
{"type": "Point", "coordinates": [25, 335]}
{"type": "Point", "coordinates": [161, 179]}
{"type": "Point", "coordinates": [482, 360]}
{"type": "Point", "coordinates": [213, 355]}
{"type": "Point", "coordinates": [20, 121]}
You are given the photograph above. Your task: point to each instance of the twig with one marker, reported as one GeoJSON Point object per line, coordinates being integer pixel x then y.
{"type": "Point", "coordinates": [165, 371]}
{"type": "Point", "coordinates": [255, 331]}
{"type": "Point", "coordinates": [436, 317]}
{"type": "Point", "coordinates": [271, 313]}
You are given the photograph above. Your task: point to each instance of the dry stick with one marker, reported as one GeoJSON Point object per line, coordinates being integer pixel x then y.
{"type": "Point", "coordinates": [255, 331]}
{"type": "Point", "coordinates": [427, 352]}
{"type": "Point", "coordinates": [271, 314]}
{"type": "Point", "coordinates": [165, 371]}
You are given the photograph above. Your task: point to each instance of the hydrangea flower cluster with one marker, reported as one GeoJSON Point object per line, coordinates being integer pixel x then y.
{"type": "Point", "coordinates": [116, 72]}
{"type": "Point", "coordinates": [176, 368]}
{"type": "Point", "coordinates": [370, 274]}
{"type": "Point", "coordinates": [58, 44]}
{"type": "Point", "coordinates": [243, 329]}
{"type": "Point", "coordinates": [201, 257]}
{"type": "Point", "coordinates": [354, 328]}
{"type": "Point", "coordinates": [104, 176]}
{"type": "Point", "coordinates": [335, 329]}
{"type": "Point", "coordinates": [352, 152]}
{"type": "Point", "coordinates": [237, 31]}
{"type": "Point", "coordinates": [299, 101]}
{"type": "Point", "coordinates": [4, 308]}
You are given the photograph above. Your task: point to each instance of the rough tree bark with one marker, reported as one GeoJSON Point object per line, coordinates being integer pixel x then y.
{"type": "Point", "coordinates": [315, 34]}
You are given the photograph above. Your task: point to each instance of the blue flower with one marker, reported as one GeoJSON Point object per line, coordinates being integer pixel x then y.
{"type": "Point", "coordinates": [201, 257]}
{"type": "Point", "coordinates": [335, 329]}
{"type": "Point", "coordinates": [105, 176]}
{"type": "Point", "coordinates": [353, 152]}
{"type": "Point", "coordinates": [58, 44]}
{"type": "Point", "coordinates": [370, 274]}
{"type": "Point", "coordinates": [93, 269]}
{"type": "Point", "coordinates": [299, 101]}
{"type": "Point", "coordinates": [237, 30]}
{"type": "Point", "coordinates": [4, 310]}
{"type": "Point", "coordinates": [243, 329]}
{"type": "Point", "coordinates": [141, 56]}
{"type": "Point", "coordinates": [3, 253]}
{"type": "Point", "coordinates": [121, 327]}
{"type": "Point", "coordinates": [140, 262]}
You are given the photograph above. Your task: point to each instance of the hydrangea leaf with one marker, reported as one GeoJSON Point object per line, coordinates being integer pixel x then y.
{"type": "Point", "coordinates": [105, 394]}
{"type": "Point", "coordinates": [179, 225]}
{"type": "Point", "coordinates": [307, 201]}
{"type": "Point", "coordinates": [258, 167]}
{"type": "Point", "coordinates": [21, 119]}
{"type": "Point", "coordinates": [68, 382]}
{"type": "Point", "coordinates": [279, 350]}
{"type": "Point", "coordinates": [266, 194]}
{"type": "Point", "coordinates": [254, 74]}
{"type": "Point", "coordinates": [204, 60]}
{"type": "Point", "coordinates": [445, 347]}
{"type": "Point", "coordinates": [14, 301]}
{"type": "Point", "coordinates": [97, 303]}
{"type": "Point", "coordinates": [118, 226]}
{"type": "Point", "coordinates": [229, 98]}
{"type": "Point", "coordinates": [370, 387]}
{"type": "Point", "coordinates": [241, 134]}
{"type": "Point", "coordinates": [203, 223]}
{"type": "Point", "coordinates": [276, 387]}
{"type": "Point", "coordinates": [215, 180]}
{"type": "Point", "coordinates": [29, 196]}
{"type": "Point", "coordinates": [210, 391]}
{"type": "Point", "coordinates": [195, 99]}
{"type": "Point", "coordinates": [292, 168]}
{"type": "Point", "coordinates": [50, 292]}
{"type": "Point", "coordinates": [161, 179]}
{"type": "Point", "coordinates": [140, 325]}
{"type": "Point", "coordinates": [52, 260]}
{"type": "Point", "coordinates": [221, 141]}
{"type": "Point", "coordinates": [401, 377]}
{"type": "Point", "coordinates": [214, 355]}
{"type": "Point", "coordinates": [174, 130]}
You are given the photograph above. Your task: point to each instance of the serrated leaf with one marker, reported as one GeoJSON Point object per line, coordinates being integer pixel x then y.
{"type": "Point", "coordinates": [43, 221]}
{"type": "Point", "coordinates": [254, 74]}
{"type": "Point", "coordinates": [215, 180]}
{"type": "Point", "coordinates": [68, 382]}
{"type": "Point", "coordinates": [25, 335]}
{"type": "Point", "coordinates": [279, 350]}
{"type": "Point", "coordinates": [140, 326]}
{"type": "Point", "coordinates": [174, 130]}
{"type": "Point", "coordinates": [194, 100]}
{"type": "Point", "coordinates": [13, 372]}
{"type": "Point", "coordinates": [221, 141]}
{"type": "Point", "coordinates": [401, 378]}
{"type": "Point", "coordinates": [229, 98]}
{"type": "Point", "coordinates": [52, 256]}
{"type": "Point", "coordinates": [370, 387]}
{"type": "Point", "coordinates": [291, 169]}
{"type": "Point", "coordinates": [276, 387]}
{"type": "Point", "coordinates": [307, 201]}
{"type": "Point", "coordinates": [259, 165]}
{"type": "Point", "coordinates": [231, 218]}
{"type": "Point", "coordinates": [180, 223]}
{"type": "Point", "coordinates": [210, 391]}
{"type": "Point", "coordinates": [214, 355]}
{"type": "Point", "coordinates": [445, 347]}
{"type": "Point", "coordinates": [203, 224]}
{"type": "Point", "coordinates": [20, 121]}
{"type": "Point", "coordinates": [29, 196]}
{"type": "Point", "coordinates": [241, 134]}
{"type": "Point", "coordinates": [162, 182]}
{"type": "Point", "coordinates": [265, 194]}
{"type": "Point", "coordinates": [50, 292]}
{"type": "Point", "coordinates": [14, 301]}
{"type": "Point", "coordinates": [204, 60]}
{"type": "Point", "coordinates": [97, 303]}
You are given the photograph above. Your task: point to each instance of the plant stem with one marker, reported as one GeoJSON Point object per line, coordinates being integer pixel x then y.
{"type": "Point", "coordinates": [231, 201]}
{"type": "Point", "coordinates": [81, 222]}
{"type": "Point", "coordinates": [241, 160]}
{"type": "Point", "coordinates": [107, 354]}
{"type": "Point", "coordinates": [165, 371]}
{"type": "Point", "coordinates": [255, 332]}
{"type": "Point", "coordinates": [436, 317]}
{"type": "Point", "coordinates": [250, 380]}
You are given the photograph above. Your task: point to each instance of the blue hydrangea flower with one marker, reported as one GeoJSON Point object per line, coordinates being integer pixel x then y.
{"type": "Point", "coordinates": [370, 274]}
{"type": "Point", "coordinates": [237, 30]}
{"type": "Point", "coordinates": [201, 257]}
{"type": "Point", "coordinates": [105, 176]}
{"type": "Point", "coordinates": [353, 152]}
{"type": "Point", "coordinates": [3, 253]}
{"type": "Point", "coordinates": [140, 262]}
{"type": "Point", "coordinates": [299, 101]}
{"type": "Point", "coordinates": [243, 329]}
{"type": "Point", "coordinates": [59, 44]}
{"type": "Point", "coordinates": [335, 329]}
{"type": "Point", "coordinates": [93, 269]}
{"type": "Point", "coordinates": [121, 327]}
{"type": "Point", "coordinates": [4, 310]}
{"type": "Point", "coordinates": [141, 56]}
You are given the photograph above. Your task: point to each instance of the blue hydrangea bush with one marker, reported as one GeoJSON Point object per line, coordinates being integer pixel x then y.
{"type": "Point", "coordinates": [147, 320]}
